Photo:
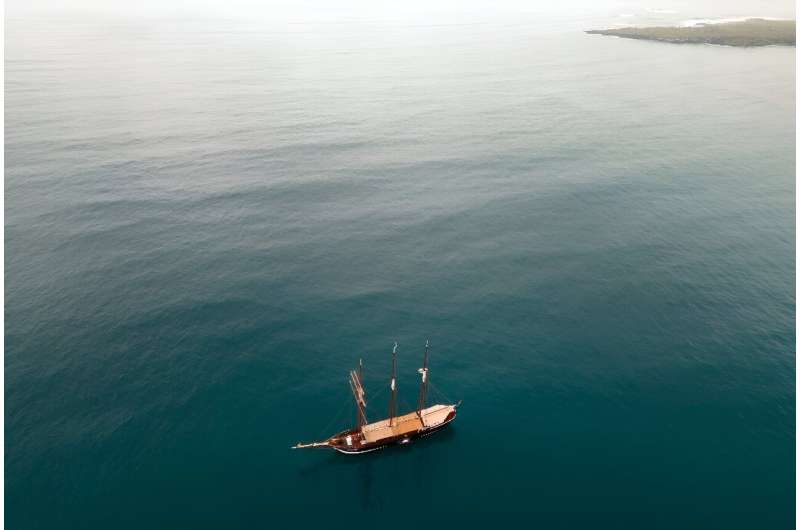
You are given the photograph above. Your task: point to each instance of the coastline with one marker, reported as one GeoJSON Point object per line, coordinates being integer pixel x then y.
{"type": "Point", "coordinates": [751, 32]}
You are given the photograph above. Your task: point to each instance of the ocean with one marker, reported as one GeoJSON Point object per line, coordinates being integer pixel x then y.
{"type": "Point", "coordinates": [209, 221]}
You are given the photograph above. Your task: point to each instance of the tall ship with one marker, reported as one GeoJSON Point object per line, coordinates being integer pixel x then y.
{"type": "Point", "coordinates": [366, 437]}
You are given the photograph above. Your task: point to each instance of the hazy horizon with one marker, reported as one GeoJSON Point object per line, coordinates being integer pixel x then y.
{"type": "Point", "coordinates": [388, 10]}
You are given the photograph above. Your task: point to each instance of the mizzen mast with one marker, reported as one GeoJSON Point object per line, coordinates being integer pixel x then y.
{"type": "Point", "coordinates": [423, 387]}
{"type": "Point", "coordinates": [393, 386]}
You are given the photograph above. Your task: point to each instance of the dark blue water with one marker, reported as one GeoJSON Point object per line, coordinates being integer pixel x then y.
{"type": "Point", "coordinates": [209, 222]}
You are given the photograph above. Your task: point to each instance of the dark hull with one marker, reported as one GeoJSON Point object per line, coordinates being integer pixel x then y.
{"type": "Point", "coordinates": [397, 440]}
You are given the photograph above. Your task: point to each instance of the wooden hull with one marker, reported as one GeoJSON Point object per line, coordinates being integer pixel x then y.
{"type": "Point", "coordinates": [361, 446]}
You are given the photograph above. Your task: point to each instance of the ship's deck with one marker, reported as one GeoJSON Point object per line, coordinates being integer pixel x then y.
{"type": "Point", "coordinates": [406, 423]}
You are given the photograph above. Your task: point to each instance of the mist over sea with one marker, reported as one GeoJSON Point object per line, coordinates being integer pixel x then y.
{"type": "Point", "coordinates": [210, 219]}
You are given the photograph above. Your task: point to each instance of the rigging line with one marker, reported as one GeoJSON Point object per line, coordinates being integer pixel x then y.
{"type": "Point", "coordinates": [376, 390]}
{"type": "Point", "coordinates": [379, 393]}
{"type": "Point", "coordinates": [344, 407]}
{"type": "Point", "coordinates": [405, 404]}
{"type": "Point", "coordinates": [441, 394]}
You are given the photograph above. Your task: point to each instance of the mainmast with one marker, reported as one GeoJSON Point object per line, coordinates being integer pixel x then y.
{"type": "Point", "coordinates": [358, 394]}
{"type": "Point", "coordinates": [423, 387]}
{"type": "Point", "coordinates": [393, 386]}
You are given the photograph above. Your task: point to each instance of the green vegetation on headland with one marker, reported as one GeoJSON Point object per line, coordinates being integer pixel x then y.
{"type": "Point", "coordinates": [750, 32]}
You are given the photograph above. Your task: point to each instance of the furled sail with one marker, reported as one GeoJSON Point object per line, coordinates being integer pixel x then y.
{"type": "Point", "coordinates": [358, 389]}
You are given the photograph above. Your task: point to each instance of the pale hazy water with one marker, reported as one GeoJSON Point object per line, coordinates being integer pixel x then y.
{"type": "Point", "coordinates": [208, 222]}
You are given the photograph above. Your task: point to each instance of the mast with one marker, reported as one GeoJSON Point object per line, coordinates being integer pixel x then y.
{"type": "Point", "coordinates": [358, 394]}
{"type": "Point", "coordinates": [393, 386]}
{"type": "Point", "coordinates": [423, 387]}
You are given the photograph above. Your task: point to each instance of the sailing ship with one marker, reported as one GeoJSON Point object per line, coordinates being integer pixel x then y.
{"type": "Point", "coordinates": [366, 437]}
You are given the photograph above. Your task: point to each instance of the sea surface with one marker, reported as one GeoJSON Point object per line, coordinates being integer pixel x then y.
{"type": "Point", "coordinates": [208, 221]}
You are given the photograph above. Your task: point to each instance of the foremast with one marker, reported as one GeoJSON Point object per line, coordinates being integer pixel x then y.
{"type": "Point", "coordinates": [359, 396]}
{"type": "Point", "coordinates": [361, 405]}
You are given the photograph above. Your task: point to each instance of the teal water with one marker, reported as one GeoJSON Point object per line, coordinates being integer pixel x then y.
{"type": "Point", "coordinates": [208, 222]}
